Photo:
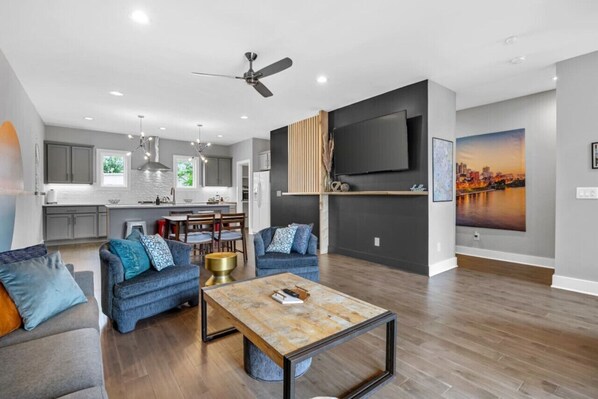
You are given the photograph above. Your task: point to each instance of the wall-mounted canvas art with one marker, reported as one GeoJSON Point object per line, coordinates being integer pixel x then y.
{"type": "Point", "coordinates": [11, 182]}
{"type": "Point", "coordinates": [442, 167]}
{"type": "Point", "coordinates": [490, 183]}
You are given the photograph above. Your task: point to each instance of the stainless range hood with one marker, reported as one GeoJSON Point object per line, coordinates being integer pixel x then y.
{"type": "Point", "coordinates": [153, 163]}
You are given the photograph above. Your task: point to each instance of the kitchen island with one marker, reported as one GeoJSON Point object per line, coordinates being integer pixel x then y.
{"type": "Point", "coordinates": [118, 215]}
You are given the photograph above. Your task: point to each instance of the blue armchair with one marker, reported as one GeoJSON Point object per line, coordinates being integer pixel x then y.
{"type": "Point", "coordinates": [127, 301]}
{"type": "Point", "coordinates": [305, 266]}
{"type": "Point", "coordinates": [257, 364]}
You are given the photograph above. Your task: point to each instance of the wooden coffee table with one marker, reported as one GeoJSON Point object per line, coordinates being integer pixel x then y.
{"type": "Point", "coordinates": [289, 334]}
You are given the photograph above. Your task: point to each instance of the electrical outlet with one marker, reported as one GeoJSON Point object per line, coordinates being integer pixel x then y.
{"type": "Point", "coordinates": [587, 193]}
{"type": "Point", "coordinates": [476, 236]}
{"type": "Point", "coordinates": [376, 241]}
{"type": "Point", "coordinates": [438, 247]}
{"type": "Point", "coordinates": [279, 193]}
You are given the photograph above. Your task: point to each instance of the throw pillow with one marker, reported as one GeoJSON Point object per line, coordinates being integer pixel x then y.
{"type": "Point", "coordinates": [135, 236]}
{"type": "Point", "coordinates": [17, 255]}
{"type": "Point", "coordinates": [282, 240]}
{"type": "Point", "coordinates": [158, 251]}
{"type": "Point", "coordinates": [9, 315]}
{"type": "Point", "coordinates": [132, 256]}
{"type": "Point", "coordinates": [302, 236]}
{"type": "Point", "coordinates": [41, 288]}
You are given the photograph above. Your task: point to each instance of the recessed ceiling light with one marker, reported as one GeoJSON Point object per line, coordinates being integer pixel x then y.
{"type": "Point", "coordinates": [244, 117]}
{"type": "Point", "coordinates": [140, 17]}
{"type": "Point", "coordinates": [88, 118]}
{"type": "Point", "coordinates": [511, 40]}
{"type": "Point", "coordinates": [555, 78]}
{"type": "Point", "coordinates": [517, 60]}
{"type": "Point", "coordinates": [116, 93]}
{"type": "Point", "coordinates": [322, 79]}
{"type": "Point", "coordinates": [220, 136]}
{"type": "Point", "coordinates": [162, 128]}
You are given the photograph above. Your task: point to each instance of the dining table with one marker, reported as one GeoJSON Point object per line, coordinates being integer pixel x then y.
{"type": "Point", "coordinates": [175, 222]}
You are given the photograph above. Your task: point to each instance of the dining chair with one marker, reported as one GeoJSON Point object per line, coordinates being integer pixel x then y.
{"type": "Point", "coordinates": [173, 233]}
{"type": "Point", "coordinates": [231, 230]}
{"type": "Point", "coordinates": [199, 232]}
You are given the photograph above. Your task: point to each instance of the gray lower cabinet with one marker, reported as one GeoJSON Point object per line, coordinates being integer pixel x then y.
{"type": "Point", "coordinates": [218, 172]}
{"type": "Point", "coordinates": [58, 227]}
{"type": "Point", "coordinates": [68, 163]}
{"type": "Point", "coordinates": [102, 225]}
{"type": "Point", "coordinates": [62, 223]}
{"type": "Point", "coordinates": [85, 225]}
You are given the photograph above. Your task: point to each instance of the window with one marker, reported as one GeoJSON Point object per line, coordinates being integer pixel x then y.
{"type": "Point", "coordinates": [185, 169]}
{"type": "Point", "coordinates": [113, 168]}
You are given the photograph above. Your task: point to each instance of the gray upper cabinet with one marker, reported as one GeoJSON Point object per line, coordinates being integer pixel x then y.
{"type": "Point", "coordinates": [218, 172]}
{"type": "Point", "coordinates": [82, 165]}
{"type": "Point", "coordinates": [68, 163]}
{"type": "Point", "coordinates": [58, 163]}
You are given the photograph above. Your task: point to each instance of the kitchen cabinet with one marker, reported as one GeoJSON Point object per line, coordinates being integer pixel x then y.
{"type": "Point", "coordinates": [63, 223]}
{"type": "Point", "coordinates": [68, 163]}
{"type": "Point", "coordinates": [264, 161]}
{"type": "Point", "coordinates": [85, 225]}
{"type": "Point", "coordinates": [218, 172]}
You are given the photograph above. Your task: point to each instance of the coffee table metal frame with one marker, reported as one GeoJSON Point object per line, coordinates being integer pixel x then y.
{"type": "Point", "coordinates": [292, 359]}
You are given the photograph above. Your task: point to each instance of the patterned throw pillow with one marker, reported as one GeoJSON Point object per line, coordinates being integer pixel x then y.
{"type": "Point", "coordinates": [302, 236]}
{"type": "Point", "coordinates": [282, 241]}
{"type": "Point", "coordinates": [158, 251]}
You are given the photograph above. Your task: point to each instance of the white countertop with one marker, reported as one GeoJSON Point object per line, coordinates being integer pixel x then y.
{"type": "Point", "coordinates": [117, 206]}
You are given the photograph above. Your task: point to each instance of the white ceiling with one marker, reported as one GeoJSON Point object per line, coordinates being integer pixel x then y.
{"type": "Point", "coordinates": [70, 54]}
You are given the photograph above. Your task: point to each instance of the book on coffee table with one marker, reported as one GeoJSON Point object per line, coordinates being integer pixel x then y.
{"type": "Point", "coordinates": [284, 298]}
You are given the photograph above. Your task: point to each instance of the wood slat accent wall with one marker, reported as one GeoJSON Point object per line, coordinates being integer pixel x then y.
{"type": "Point", "coordinates": [305, 154]}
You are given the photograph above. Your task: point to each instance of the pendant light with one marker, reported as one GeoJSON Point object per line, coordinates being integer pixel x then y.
{"type": "Point", "coordinates": [200, 146]}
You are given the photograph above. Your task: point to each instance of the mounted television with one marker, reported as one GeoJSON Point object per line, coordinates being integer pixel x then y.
{"type": "Point", "coordinates": [373, 145]}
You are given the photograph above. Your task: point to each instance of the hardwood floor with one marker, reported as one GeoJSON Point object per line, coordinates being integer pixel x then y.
{"type": "Point", "coordinates": [463, 334]}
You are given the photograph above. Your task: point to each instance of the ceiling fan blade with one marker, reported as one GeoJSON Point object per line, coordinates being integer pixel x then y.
{"type": "Point", "coordinates": [278, 66]}
{"type": "Point", "coordinates": [214, 75]}
{"type": "Point", "coordinates": [263, 90]}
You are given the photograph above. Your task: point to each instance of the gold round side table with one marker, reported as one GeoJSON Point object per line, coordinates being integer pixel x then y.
{"type": "Point", "coordinates": [221, 264]}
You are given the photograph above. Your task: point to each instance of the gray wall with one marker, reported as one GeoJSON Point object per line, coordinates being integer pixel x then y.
{"type": "Point", "coordinates": [537, 114]}
{"type": "Point", "coordinates": [577, 127]}
{"type": "Point", "coordinates": [16, 107]}
{"type": "Point", "coordinates": [143, 185]}
{"type": "Point", "coordinates": [441, 215]}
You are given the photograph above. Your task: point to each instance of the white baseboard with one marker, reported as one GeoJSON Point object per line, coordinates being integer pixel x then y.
{"type": "Point", "coordinates": [575, 284]}
{"type": "Point", "coordinates": [442, 266]}
{"type": "Point", "coordinates": [507, 256]}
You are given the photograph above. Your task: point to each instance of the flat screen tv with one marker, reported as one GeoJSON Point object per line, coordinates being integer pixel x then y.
{"type": "Point", "coordinates": [373, 145]}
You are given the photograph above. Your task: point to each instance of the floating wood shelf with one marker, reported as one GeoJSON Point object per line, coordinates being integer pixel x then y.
{"type": "Point", "coordinates": [379, 193]}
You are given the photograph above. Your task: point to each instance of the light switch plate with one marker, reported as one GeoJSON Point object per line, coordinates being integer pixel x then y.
{"type": "Point", "coordinates": [587, 193]}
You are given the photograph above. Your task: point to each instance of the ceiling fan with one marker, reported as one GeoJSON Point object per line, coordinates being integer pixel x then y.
{"type": "Point", "coordinates": [252, 77]}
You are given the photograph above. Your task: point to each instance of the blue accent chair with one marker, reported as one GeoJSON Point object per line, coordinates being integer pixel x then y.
{"type": "Point", "coordinates": [152, 292]}
{"type": "Point", "coordinates": [305, 266]}
{"type": "Point", "coordinates": [257, 364]}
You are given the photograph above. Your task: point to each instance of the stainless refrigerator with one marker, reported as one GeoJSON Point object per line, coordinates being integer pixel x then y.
{"type": "Point", "coordinates": [260, 208]}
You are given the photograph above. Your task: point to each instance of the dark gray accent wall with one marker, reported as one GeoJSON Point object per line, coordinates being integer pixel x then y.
{"type": "Point", "coordinates": [401, 223]}
{"type": "Point", "coordinates": [289, 208]}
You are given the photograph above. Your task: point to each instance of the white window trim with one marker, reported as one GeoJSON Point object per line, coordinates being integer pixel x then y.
{"type": "Point", "coordinates": [100, 153]}
{"type": "Point", "coordinates": [176, 158]}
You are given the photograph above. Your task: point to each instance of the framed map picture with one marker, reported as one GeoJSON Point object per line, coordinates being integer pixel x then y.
{"type": "Point", "coordinates": [442, 166]}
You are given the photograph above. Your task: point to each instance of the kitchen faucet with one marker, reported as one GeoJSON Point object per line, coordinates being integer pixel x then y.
{"type": "Point", "coordinates": [173, 193]}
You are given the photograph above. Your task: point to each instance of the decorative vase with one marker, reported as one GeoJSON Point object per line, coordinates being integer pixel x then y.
{"type": "Point", "coordinates": [327, 183]}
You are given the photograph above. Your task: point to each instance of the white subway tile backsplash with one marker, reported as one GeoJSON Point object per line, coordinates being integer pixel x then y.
{"type": "Point", "coordinates": [144, 186]}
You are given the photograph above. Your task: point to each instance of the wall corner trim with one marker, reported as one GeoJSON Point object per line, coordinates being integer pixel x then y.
{"type": "Point", "coordinates": [442, 266]}
{"type": "Point", "coordinates": [588, 287]}
{"type": "Point", "coordinates": [506, 256]}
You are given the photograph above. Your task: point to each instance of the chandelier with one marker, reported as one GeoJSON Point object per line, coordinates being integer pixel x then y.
{"type": "Point", "coordinates": [143, 141]}
{"type": "Point", "coordinates": [200, 146]}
